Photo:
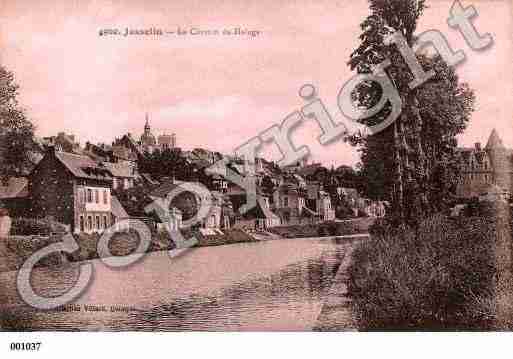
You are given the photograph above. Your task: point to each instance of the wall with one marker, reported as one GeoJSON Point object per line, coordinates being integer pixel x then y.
{"type": "Point", "coordinates": [51, 188]}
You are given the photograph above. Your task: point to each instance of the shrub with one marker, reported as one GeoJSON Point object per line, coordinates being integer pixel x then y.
{"type": "Point", "coordinates": [30, 226]}
{"type": "Point", "coordinates": [22, 247]}
{"type": "Point", "coordinates": [230, 236]}
{"type": "Point", "coordinates": [437, 277]}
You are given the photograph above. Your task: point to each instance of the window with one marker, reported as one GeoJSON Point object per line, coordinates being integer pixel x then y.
{"type": "Point", "coordinates": [89, 223]}
{"type": "Point", "coordinates": [89, 195]}
{"type": "Point", "coordinates": [82, 224]}
{"type": "Point", "coordinates": [97, 222]}
{"type": "Point", "coordinates": [80, 194]}
{"type": "Point", "coordinates": [104, 196]}
{"type": "Point", "coordinates": [96, 196]}
{"type": "Point", "coordinates": [285, 201]}
{"type": "Point", "coordinates": [105, 222]}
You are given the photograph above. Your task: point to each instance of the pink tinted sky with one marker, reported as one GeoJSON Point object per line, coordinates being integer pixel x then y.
{"type": "Point", "coordinates": [218, 92]}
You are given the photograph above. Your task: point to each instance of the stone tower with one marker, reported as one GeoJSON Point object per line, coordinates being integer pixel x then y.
{"type": "Point", "coordinates": [500, 160]}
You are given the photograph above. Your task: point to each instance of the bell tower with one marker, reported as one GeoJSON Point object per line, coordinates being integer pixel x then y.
{"type": "Point", "coordinates": [147, 129]}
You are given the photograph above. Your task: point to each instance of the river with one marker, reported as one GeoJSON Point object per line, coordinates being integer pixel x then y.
{"type": "Point", "coordinates": [277, 285]}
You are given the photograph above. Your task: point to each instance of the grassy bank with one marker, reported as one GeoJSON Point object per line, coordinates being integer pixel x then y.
{"type": "Point", "coordinates": [324, 229]}
{"type": "Point", "coordinates": [228, 237]}
{"type": "Point", "coordinates": [449, 274]}
{"type": "Point", "coordinates": [15, 250]}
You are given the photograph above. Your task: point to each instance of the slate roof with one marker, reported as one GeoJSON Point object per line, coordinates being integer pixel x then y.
{"type": "Point", "coordinates": [494, 141]}
{"type": "Point", "coordinates": [120, 169]}
{"type": "Point", "coordinates": [83, 166]}
{"type": "Point", "coordinates": [260, 211]}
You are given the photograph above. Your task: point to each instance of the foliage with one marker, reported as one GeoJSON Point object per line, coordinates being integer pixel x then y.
{"type": "Point", "coordinates": [135, 199]}
{"type": "Point", "coordinates": [17, 144]}
{"type": "Point", "coordinates": [22, 226]}
{"type": "Point", "coordinates": [23, 246]}
{"type": "Point", "coordinates": [436, 277]}
{"type": "Point", "coordinates": [230, 236]}
{"type": "Point", "coordinates": [323, 229]}
{"type": "Point", "coordinates": [412, 163]}
{"type": "Point", "coordinates": [167, 163]}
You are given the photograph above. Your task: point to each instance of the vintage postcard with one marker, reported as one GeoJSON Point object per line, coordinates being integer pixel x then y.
{"type": "Point", "coordinates": [255, 166]}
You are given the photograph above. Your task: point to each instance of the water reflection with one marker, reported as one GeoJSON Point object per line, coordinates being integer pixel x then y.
{"type": "Point", "coordinates": [287, 298]}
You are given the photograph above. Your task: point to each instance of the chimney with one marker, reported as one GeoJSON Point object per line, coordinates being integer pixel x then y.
{"type": "Point", "coordinates": [478, 146]}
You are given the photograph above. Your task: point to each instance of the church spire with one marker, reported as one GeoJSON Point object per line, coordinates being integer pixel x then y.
{"type": "Point", "coordinates": [147, 125]}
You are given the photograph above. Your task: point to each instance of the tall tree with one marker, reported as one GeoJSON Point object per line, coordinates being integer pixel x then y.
{"type": "Point", "coordinates": [16, 131]}
{"type": "Point", "coordinates": [414, 159]}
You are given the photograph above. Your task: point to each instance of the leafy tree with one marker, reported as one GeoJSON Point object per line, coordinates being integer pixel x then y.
{"type": "Point", "coordinates": [413, 162]}
{"type": "Point", "coordinates": [167, 163]}
{"type": "Point", "coordinates": [135, 199]}
{"type": "Point", "coordinates": [17, 144]}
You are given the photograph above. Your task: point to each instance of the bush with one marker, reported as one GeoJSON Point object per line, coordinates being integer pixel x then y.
{"type": "Point", "coordinates": [30, 226]}
{"type": "Point", "coordinates": [324, 229]}
{"type": "Point", "coordinates": [230, 236]}
{"type": "Point", "coordinates": [440, 277]}
{"type": "Point", "coordinates": [22, 247]}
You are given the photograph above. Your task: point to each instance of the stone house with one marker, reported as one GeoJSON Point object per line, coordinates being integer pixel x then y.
{"type": "Point", "coordinates": [260, 217]}
{"type": "Point", "coordinates": [319, 201]}
{"type": "Point", "coordinates": [219, 212]}
{"type": "Point", "coordinates": [124, 174]}
{"type": "Point", "coordinates": [484, 167]}
{"type": "Point", "coordinates": [289, 201]}
{"type": "Point", "coordinates": [73, 189]}
{"type": "Point", "coordinates": [63, 142]}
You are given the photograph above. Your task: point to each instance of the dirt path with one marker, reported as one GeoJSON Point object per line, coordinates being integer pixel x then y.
{"type": "Point", "coordinates": [337, 312]}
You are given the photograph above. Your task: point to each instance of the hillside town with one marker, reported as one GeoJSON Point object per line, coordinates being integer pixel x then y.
{"type": "Point", "coordinates": [81, 186]}
{"type": "Point", "coordinates": [88, 188]}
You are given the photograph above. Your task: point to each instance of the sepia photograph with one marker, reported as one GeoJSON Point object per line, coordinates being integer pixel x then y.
{"type": "Point", "coordinates": [309, 168]}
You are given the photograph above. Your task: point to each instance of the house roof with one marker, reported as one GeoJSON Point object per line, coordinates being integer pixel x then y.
{"type": "Point", "coordinates": [117, 209]}
{"type": "Point", "coordinates": [83, 166]}
{"type": "Point", "coordinates": [120, 169]}
{"type": "Point", "coordinates": [149, 179]}
{"type": "Point", "coordinates": [259, 211]}
{"type": "Point", "coordinates": [494, 141]}
{"type": "Point", "coordinates": [164, 189]}
{"type": "Point", "coordinates": [17, 187]}
{"type": "Point", "coordinates": [123, 153]}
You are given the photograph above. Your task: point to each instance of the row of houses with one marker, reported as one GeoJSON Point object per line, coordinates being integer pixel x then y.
{"type": "Point", "coordinates": [76, 186]}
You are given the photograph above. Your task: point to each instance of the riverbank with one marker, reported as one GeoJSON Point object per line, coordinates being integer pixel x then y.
{"type": "Point", "coordinates": [269, 285]}
{"type": "Point", "coordinates": [325, 229]}
{"type": "Point", "coordinates": [14, 250]}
